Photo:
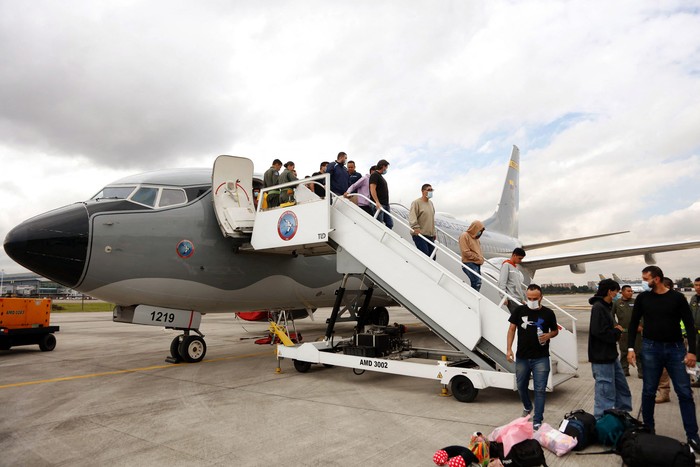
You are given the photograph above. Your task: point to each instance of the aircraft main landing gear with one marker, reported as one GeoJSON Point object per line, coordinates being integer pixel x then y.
{"type": "Point", "coordinates": [187, 348]}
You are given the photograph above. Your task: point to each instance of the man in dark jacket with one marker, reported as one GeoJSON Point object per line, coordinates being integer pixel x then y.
{"type": "Point", "coordinates": [611, 389]}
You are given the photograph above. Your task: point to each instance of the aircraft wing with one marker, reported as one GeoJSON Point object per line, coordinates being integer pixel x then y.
{"type": "Point", "coordinates": [576, 261]}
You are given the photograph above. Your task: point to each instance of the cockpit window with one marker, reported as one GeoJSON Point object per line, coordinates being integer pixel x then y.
{"type": "Point", "coordinates": [145, 195]}
{"type": "Point", "coordinates": [172, 196]}
{"type": "Point", "coordinates": [114, 192]}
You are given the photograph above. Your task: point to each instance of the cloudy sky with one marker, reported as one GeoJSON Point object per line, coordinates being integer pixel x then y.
{"type": "Point", "coordinates": [603, 99]}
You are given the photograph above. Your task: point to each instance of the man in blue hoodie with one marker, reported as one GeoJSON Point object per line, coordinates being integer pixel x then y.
{"type": "Point", "coordinates": [611, 388]}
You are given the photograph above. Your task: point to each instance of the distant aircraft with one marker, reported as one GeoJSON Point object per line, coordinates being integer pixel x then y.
{"type": "Point", "coordinates": [636, 286]}
{"type": "Point", "coordinates": [153, 244]}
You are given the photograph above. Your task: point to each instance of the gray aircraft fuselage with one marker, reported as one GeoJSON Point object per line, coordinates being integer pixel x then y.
{"type": "Point", "coordinates": [129, 253]}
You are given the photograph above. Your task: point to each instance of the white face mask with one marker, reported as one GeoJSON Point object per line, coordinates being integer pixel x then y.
{"type": "Point", "coordinates": [533, 304]}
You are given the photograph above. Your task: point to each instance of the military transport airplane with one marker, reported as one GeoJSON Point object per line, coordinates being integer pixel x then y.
{"type": "Point", "coordinates": [152, 244]}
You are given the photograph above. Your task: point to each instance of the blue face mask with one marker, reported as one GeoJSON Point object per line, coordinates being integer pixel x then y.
{"type": "Point", "coordinates": [430, 194]}
{"type": "Point", "coordinates": [618, 296]}
{"type": "Point", "coordinates": [645, 287]}
{"type": "Point", "coordinates": [386, 171]}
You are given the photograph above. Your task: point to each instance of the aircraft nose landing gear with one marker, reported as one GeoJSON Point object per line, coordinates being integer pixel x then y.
{"type": "Point", "coordinates": [187, 348]}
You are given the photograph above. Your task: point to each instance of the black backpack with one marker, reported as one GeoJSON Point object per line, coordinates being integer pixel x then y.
{"type": "Point", "coordinates": [580, 425]}
{"type": "Point", "coordinates": [526, 453]}
{"type": "Point", "coordinates": [613, 424]}
{"type": "Point", "coordinates": [639, 448]}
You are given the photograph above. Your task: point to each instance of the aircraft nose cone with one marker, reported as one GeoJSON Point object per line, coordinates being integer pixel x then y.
{"type": "Point", "coordinates": [53, 245]}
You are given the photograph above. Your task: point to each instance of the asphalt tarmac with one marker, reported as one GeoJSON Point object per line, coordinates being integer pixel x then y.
{"type": "Point", "coordinates": [106, 396]}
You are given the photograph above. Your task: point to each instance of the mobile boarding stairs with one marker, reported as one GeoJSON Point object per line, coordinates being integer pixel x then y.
{"type": "Point", "coordinates": [434, 291]}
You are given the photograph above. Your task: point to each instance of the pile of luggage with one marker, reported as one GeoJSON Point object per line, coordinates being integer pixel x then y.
{"type": "Point", "coordinates": [517, 444]}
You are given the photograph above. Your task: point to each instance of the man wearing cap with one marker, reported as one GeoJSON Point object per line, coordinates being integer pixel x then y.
{"type": "Point", "coordinates": [421, 217]}
{"type": "Point", "coordinates": [511, 279]}
{"type": "Point", "coordinates": [379, 190]}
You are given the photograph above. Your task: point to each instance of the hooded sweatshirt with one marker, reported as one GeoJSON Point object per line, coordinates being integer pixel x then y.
{"type": "Point", "coordinates": [470, 246]}
{"type": "Point", "coordinates": [602, 337]}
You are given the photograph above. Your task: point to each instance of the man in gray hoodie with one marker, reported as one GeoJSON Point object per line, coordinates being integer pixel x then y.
{"type": "Point", "coordinates": [511, 279]}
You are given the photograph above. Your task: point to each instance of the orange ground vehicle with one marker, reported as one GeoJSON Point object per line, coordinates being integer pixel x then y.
{"type": "Point", "coordinates": [25, 321]}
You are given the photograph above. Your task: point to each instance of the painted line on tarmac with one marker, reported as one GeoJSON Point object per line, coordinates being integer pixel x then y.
{"type": "Point", "coordinates": [131, 370]}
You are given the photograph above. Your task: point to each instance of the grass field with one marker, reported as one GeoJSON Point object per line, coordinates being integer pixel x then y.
{"type": "Point", "coordinates": [77, 306]}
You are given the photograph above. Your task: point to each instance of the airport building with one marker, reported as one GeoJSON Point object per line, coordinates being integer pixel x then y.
{"type": "Point", "coordinates": [28, 284]}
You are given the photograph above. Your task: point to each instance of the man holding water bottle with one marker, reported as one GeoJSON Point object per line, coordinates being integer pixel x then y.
{"type": "Point", "coordinates": [536, 325]}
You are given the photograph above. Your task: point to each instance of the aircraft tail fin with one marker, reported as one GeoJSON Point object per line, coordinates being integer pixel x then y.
{"type": "Point", "coordinates": [615, 278]}
{"type": "Point", "coordinates": [505, 219]}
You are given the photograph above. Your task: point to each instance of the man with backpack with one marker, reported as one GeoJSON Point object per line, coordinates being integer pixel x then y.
{"type": "Point", "coordinates": [663, 347]}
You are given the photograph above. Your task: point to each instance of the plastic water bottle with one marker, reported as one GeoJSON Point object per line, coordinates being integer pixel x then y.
{"type": "Point", "coordinates": [539, 334]}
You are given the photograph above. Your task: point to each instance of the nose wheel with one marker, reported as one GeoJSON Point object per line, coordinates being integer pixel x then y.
{"type": "Point", "coordinates": [187, 348]}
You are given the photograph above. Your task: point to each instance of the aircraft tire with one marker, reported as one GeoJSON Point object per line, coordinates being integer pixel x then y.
{"type": "Point", "coordinates": [463, 389]}
{"type": "Point", "coordinates": [175, 349]}
{"type": "Point", "coordinates": [380, 316]}
{"type": "Point", "coordinates": [302, 367]}
{"type": "Point", "coordinates": [192, 349]}
{"type": "Point", "coordinates": [47, 343]}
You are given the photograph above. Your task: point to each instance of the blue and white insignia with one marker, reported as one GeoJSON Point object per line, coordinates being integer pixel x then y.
{"type": "Point", "coordinates": [185, 249]}
{"type": "Point", "coordinates": [287, 225]}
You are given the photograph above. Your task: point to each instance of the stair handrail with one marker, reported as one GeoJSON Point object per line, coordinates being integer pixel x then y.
{"type": "Point", "coordinates": [451, 254]}
{"type": "Point", "coordinates": [548, 301]}
{"type": "Point", "coordinates": [304, 181]}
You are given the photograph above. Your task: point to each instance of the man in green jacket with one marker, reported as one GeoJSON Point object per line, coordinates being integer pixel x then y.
{"type": "Point", "coordinates": [622, 311]}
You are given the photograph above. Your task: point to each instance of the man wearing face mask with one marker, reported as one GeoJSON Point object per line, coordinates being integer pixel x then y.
{"type": "Point", "coordinates": [611, 389]}
{"type": "Point", "coordinates": [472, 258]}
{"type": "Point", "coordinates": [379, 190]}
{"type": "Point", "coordinates": [536, 325]}
{"type": "Point", "coordinates": [421, 217]}
{"type": "Point", "coordinates": [622, 311]}
{"type": "Point", "coordinates": [662, 347]}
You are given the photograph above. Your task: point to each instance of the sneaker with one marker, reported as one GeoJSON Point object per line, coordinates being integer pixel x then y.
{"type": "Point", "coordinates": [694, 445]}
{"type": "Point", "coordinates": [526, 412]}
{"type": "Point", "coordinates": [695, 384]}
{"type": "Point", "coordinates": [536, 426]}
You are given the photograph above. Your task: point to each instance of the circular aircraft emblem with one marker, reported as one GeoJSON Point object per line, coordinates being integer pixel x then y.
{"type": "Point", "coordinates": [185, 249]}
{"type": "Point", "coordinates": [287, 225]}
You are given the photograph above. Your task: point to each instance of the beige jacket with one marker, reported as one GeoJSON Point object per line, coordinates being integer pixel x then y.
{"type": "Point", "coordinates": [470, 246]}
{"type": "Point", "coordinates": [422, 216]}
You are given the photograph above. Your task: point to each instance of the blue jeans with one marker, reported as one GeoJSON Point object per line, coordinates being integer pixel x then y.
{"type": "Point", "coordinates": [387, 220]}
{"type": "Point", "coordinates": [611, 389]}
{"type": "Point", "coordinates": [473, 278]}
{"type": "Point", "coordinates": [539, 368]}
{"type": "Point", "coordinates": [657, 356]}
{"type": "Point", "coordinates": [424, 246]}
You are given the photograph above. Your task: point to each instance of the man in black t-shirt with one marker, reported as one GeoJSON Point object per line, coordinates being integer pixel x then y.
{"type": "Point", "coordinates": [662, 347]}
{"type": "Point", "coordinates": [536, 325]}
{"type": "Point", "coordinates": [379, 190]}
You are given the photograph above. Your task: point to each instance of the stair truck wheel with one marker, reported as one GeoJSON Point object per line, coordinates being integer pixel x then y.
{"type": "Point", "coordinates": [302, 367]}
{"type": "Point", "coordinates": [380, 316]}
{"type": "Point", "coordinates": [175, 348]}
{"type": "Point", "coordinates": [463, 389]}
{"type": "Point", "coordinates": [47, 342]}
{"type": "Point", "coordinates": [192, 349]}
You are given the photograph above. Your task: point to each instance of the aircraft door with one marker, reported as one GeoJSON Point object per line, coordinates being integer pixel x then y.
{"type": "Point", "coordinates": [234, 205]}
